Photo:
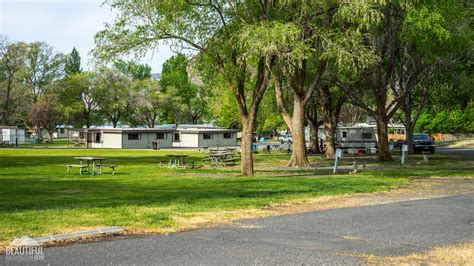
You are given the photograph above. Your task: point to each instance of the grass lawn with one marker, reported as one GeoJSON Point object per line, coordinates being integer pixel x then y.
{"type": "Point", "coordinates": [38, 197]}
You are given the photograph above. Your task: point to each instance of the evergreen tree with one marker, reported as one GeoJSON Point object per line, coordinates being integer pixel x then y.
{"type": "Point", "coordinates": [73, 63]}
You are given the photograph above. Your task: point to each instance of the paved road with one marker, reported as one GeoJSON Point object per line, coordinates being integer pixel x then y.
{"type": "Point", "coordinates": [456, 151]}
{"type": "Point", "coordinates": [326, 237]}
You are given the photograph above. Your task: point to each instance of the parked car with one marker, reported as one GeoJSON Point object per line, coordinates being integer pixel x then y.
{"type": "Point", "coordinates": [423, 142]}
{"type": "Point", "coordinates": [285, 139]}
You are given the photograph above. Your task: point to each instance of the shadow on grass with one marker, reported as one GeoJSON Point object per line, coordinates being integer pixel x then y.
{"type": "Point", "coordinates": [41, 194]}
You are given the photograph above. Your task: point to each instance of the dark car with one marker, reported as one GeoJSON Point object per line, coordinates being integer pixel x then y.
{"type": "Point", "coordinates": [422, 142]}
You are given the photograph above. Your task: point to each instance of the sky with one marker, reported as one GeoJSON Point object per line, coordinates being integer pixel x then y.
{"type": "Point", "coordinates": [63, 24]}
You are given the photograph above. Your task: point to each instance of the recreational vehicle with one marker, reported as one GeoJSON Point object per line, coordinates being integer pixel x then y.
{"type": "Point", "coordinates": [356, 137]}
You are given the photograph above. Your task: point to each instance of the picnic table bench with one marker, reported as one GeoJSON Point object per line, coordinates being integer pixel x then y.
{"type": "Point", "coordinates": [85, 163]}
{"type": "Point", "coordinates": [219, 158]}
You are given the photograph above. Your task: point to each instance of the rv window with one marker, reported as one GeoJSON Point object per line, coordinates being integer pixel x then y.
{"type": "Point", "coordinates": [161, 135]}
{"type": "Point", "coordinates": [366, 135]}
{"type": "Point", "coordinates": [344, 134]}
{"type": "Point", "coordinates": [207, 136]}
{"type": "Point", "coordinates": [176, 137]}
{"type": "Point", "coordinates": [134, 136]}
{"type": "Point", "coordinates": [227, 135]}
{"type": "Point", "coordinates": [98, 137]}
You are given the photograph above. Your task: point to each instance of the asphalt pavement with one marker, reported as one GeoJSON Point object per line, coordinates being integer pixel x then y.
{"type": "Point", "coordinates": [326, 237]}
{"type": "Point", "coordinates": [456, 151]}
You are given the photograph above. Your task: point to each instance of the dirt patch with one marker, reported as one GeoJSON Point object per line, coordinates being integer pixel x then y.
{"type": "Point", "coordinates": [462, 254]}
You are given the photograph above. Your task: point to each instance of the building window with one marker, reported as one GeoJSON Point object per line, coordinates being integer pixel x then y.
{"type": "Point", "coordinates": [98, 137]}
{"type": "Point", "coordinates": [134, 136]}
{"type": "Point", "coordinates": [176, 137]}
{"type": "Point", "coordinates": [227, 135]}
{"type": "Point", "coordinates": [366, 135]}
{"type": "Point", "coordinates": [160, 135]}
{"type": "Point", "coordinates": [61, 131]}
{"type": "Point", "coordinates": [207, 136]}
{"type": "Point", "coordinates": [344, 134]}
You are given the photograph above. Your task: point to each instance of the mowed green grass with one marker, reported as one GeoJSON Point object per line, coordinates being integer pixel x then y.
{"type": "Point", "coordinates": [38, 197]}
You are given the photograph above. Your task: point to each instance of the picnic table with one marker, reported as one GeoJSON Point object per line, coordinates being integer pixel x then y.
{"type": "Point", "coordinates": [220, 157]}
{"type": "Point", "coordinates": [86, 161]}
{"type": "Point", "coordinates": [176, 160]}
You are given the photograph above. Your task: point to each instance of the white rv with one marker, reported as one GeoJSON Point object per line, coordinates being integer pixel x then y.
{"type": "Point", "coordinates": [356, 137]}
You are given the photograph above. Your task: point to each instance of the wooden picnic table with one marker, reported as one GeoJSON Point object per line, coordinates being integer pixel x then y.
{"type": "Point", "coordinates": [177, 160]}
{"type": "Point", "coordinates": [96, 161]}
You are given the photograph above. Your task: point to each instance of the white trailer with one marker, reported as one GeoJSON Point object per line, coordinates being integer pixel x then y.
{"type": "Point", "coordinates": [357, 137]}
{"type": "Point", "coordinates": [12, 135]}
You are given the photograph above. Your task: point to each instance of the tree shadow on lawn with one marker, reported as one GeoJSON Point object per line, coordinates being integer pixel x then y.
{"type": "Point", "coordinates": [22, 161]}
{"type": "Point", "coordinates": [199, 193]}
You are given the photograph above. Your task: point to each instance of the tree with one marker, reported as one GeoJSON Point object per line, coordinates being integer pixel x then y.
{"type": "Point", "coordinates": [42, 68]}
{"type": "Point", "coordinates": [133, 69]}
{"type": "Point", "coordinates": [431, 53]}
{"type": "Point", "coordinates": [114, 96]}
{"type": "Point", "coordinates": [153, 105]}
{"type": "Point", "coordinates": [332, 98]}
{"type": "Point", "coordinates": [383, 86]}
{"type": "Point", "coordinates": [11, 62]}
{"type": "Point", "coordinates": [194, 96]}
{"type": "Point", "coordinates": [78, 96]}
{"type": "Point", "coordinates": [73, 63]}
{"type": "Point", "coordinates": [314, 123]}
{"type": "Point", "coordinates": [44, 113]}
{"type": "Point", "coordinates": [212, 29]}
{"type": "Point", "coordinates": [314, 35]}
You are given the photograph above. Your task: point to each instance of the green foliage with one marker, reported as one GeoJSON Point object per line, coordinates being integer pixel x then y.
{"type": "Point", "coordinates": [114, 97]}
{"type": "Point", "coordinates": [42, 67]}
{"type": "Point", "coordinates": [193, 96]}
{"type": "Point", "coordinates": [73, 63]}
{"type": "Point", "coordinates": [133, 69]}
{"type": "Point", "coordinates": [453, 121]}
{"type": "Point", "coordinates": [77, 96]}
{"type": "Point", "coordinates": [150, 105]}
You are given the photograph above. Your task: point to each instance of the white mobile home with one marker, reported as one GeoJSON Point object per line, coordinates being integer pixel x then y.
{"type": "Point", "coordinates": [12, 135]}
{"type": "Point", "coordinates": [195, 137]}
{"type": "Point", "coordinates": [185, 136]}
{"type": "Point", "coordinates": [127, 138]}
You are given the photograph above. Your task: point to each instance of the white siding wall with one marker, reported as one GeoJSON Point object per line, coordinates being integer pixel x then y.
{"type": "Point", "coordinates": [217, 140]}
{"type": "Point", "coordinates": [188, 140]}
{"type": "Point", "coordinates": [146, 141]}
{"type": "Point", "coordinates": [110, 140]}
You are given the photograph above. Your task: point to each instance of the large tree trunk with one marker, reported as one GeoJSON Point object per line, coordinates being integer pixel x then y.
{"type": "Point", "coordinates": [50, 134]}
{"type": "Point", "coordinates": [409, 136]}
{"type": "Point", "coordinates": [329, 130]}
{"type": "Point", "coordinates": [246, 147]}
{"type": "Point", "coordinates": [382, 136]}
{"type": "Point", "coordinates": [314, 140]}
{"type": "Point", "coordinates": [314, 124]}
{"type": "Point", "coordinates": [299, 156]}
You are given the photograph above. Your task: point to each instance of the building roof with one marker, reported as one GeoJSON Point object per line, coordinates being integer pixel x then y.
{"type": "Point", "coordinates": [164, 128]}
{"type": "Point", "coordinates": [125, 130]}
{"type": "Point", "coordinates": [207, 130]}
{"type": "Point", "coordinates": [8, 127]}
